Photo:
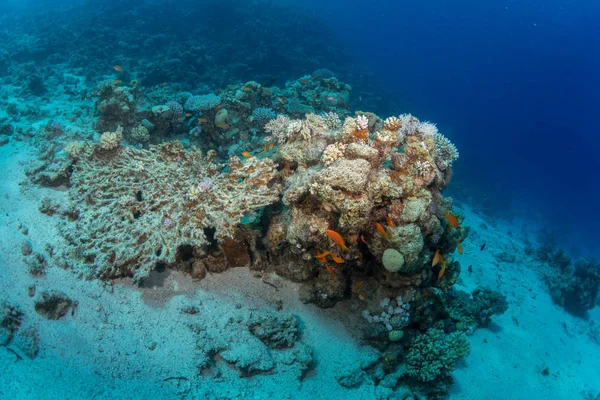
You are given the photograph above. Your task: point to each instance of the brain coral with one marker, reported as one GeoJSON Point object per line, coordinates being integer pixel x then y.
{"type": "Point", "coordinates": [139, 207]}
{"type": "Point", "coordinates": [392, 260]}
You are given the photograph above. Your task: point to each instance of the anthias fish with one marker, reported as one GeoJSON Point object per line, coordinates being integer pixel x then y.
{"type": "Point", "coordinates": [337, 238]}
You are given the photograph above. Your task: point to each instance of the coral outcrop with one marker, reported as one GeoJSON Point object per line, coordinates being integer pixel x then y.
{"type": "Point", "coordinates": [137, 208]}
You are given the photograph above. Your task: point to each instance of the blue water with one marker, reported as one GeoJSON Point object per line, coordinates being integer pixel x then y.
{"type": "Point", "coordinates": [514, 83]}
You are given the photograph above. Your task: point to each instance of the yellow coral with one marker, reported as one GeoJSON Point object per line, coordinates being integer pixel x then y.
{"type": "Point", "coordinates": [111, 140]}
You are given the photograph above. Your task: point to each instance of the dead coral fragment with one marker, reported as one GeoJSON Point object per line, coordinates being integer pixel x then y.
{"type": "Point", "coordinates": [132, 218]}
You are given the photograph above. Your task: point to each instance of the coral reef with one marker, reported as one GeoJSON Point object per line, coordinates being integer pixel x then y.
{"type": "Point", "coordinates": [337, 180]}
{"type": "Point", "coordinates": [574, 286]}
{"type": "Point", "coordinates": [137, 208]}
{"type": "Point", "coordinates": [470, 312]}
{"type": "Point", "coordinates": [349, 205]}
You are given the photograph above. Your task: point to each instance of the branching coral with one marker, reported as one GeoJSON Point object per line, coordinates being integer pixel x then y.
{"type": "Point", "coordinates": [135, 208]}
{"type": "Point", "coordinates": [435, 354]}
{"type": "Point", "coordinates": [111, 140]}
{"type": "Point", "coordinates": [445, 152]}
{"type": "Point", "coordinates": [139, 134]}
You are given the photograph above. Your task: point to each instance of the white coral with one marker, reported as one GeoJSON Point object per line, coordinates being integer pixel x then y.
{"type": "Point", "coordinates": [445, 152]}
{"type": "Point", "coordinates": [409, 125]}
{"type": "Point", "coordinates": [278, 128]}
{"type": "Point", "coordinates": [362, 122]}
{"type": "Point", "coordinates": [423, 167]}
{"type": "Point", "coordinates": [333, 152]}
{"type": "Point", "coordinates": [392, 124]}
{"type": "Point", "coordinates": [332, 120]}
{"type": "Point", "coordinates": [427, 129]}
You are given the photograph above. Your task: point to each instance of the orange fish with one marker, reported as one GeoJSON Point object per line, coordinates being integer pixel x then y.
{"type": "Point", "coordinates": [218, 107]}
{"type": "Point", "coordinates": [337, 238]}
{"type": "Point", "coordinates": [360, 257]}
{"type": "Point", "coordinates": [247, 89]}
{"type": "Point", "coordinates": [188, 114]}
{"type": "Point", "coordinates": [381, 230]}
{"type": "Point", "coordinates": [330, 270]}
{"type": "Point", "coordinates": [203, 120]}
{"type": "Point", "coordinates": [390, 222]}
{"type": "Point", "coordinates": [362, 296]}
{"type": "Point", "coordinates": [362, 239]}
{"type": "Point", "coordinates": [247, 154]}
{"type": "Point", "coordinates": [116, 82]}
{"type": "Point", "coordinates": [222, 126]}
{"type": "Point", "coordinates": [452, 219]}
{"type": "Point", "coordinates": [323, 256]}
{"type": "Point", "coordinates": [271, 145]}
{"type": "Point", "coordinates": [265, 148]}
{"type": "Point", "coordinates": [459, 245]}
{"type": "Point", "coordinates": [442, 270]}
{"type": "Point", "coordinates": [337, 259]}
{"type": "Point", "coordinates": [437, 258]}
{"type": "Point", "coordinates": [118, 68]}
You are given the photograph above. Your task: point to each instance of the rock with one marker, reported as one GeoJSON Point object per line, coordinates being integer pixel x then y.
{"type": "Point", "coordinates": [413, 209]}
{"type": "Point", "coordinates": [198, 270]}
{"type": "Point", "coordinates": [221, 118]}
{"type": "Point", "coordinates": [53, 304]}
{"type": "Point", "coordinates": [348, 175]}
{"type": "Point", "coordinates": [236, 252]}
{"type": "Point", "coordinates": [27, 341]}
{"type": "Point", "coordinates": [26, 248]}
{"type": "Point", "coordinates": [162, 111]}
{"type": "Point", "coordinates": [276, 330]}
{"type": "Point", "coordinates": [352, 379]}
{"type": "Point", "coordinates": [362, 150]}
{"type": "Point", "coordinates": [249, 356]}
{"type": "Point", "coordinates": [10, 321]}
{"type": "Point", "coordinates": [215, 263]}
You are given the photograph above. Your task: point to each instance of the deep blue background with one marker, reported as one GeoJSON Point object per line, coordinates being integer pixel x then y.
{"type": "Point", "coordinates": [515, 84]}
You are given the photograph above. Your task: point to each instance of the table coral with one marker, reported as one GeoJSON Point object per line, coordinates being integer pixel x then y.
{"type": "Point", "coordinates": [137, 208]}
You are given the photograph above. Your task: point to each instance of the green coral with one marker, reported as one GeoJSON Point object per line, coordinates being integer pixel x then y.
{"type": "Point", "coordinates": [435, 354]}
